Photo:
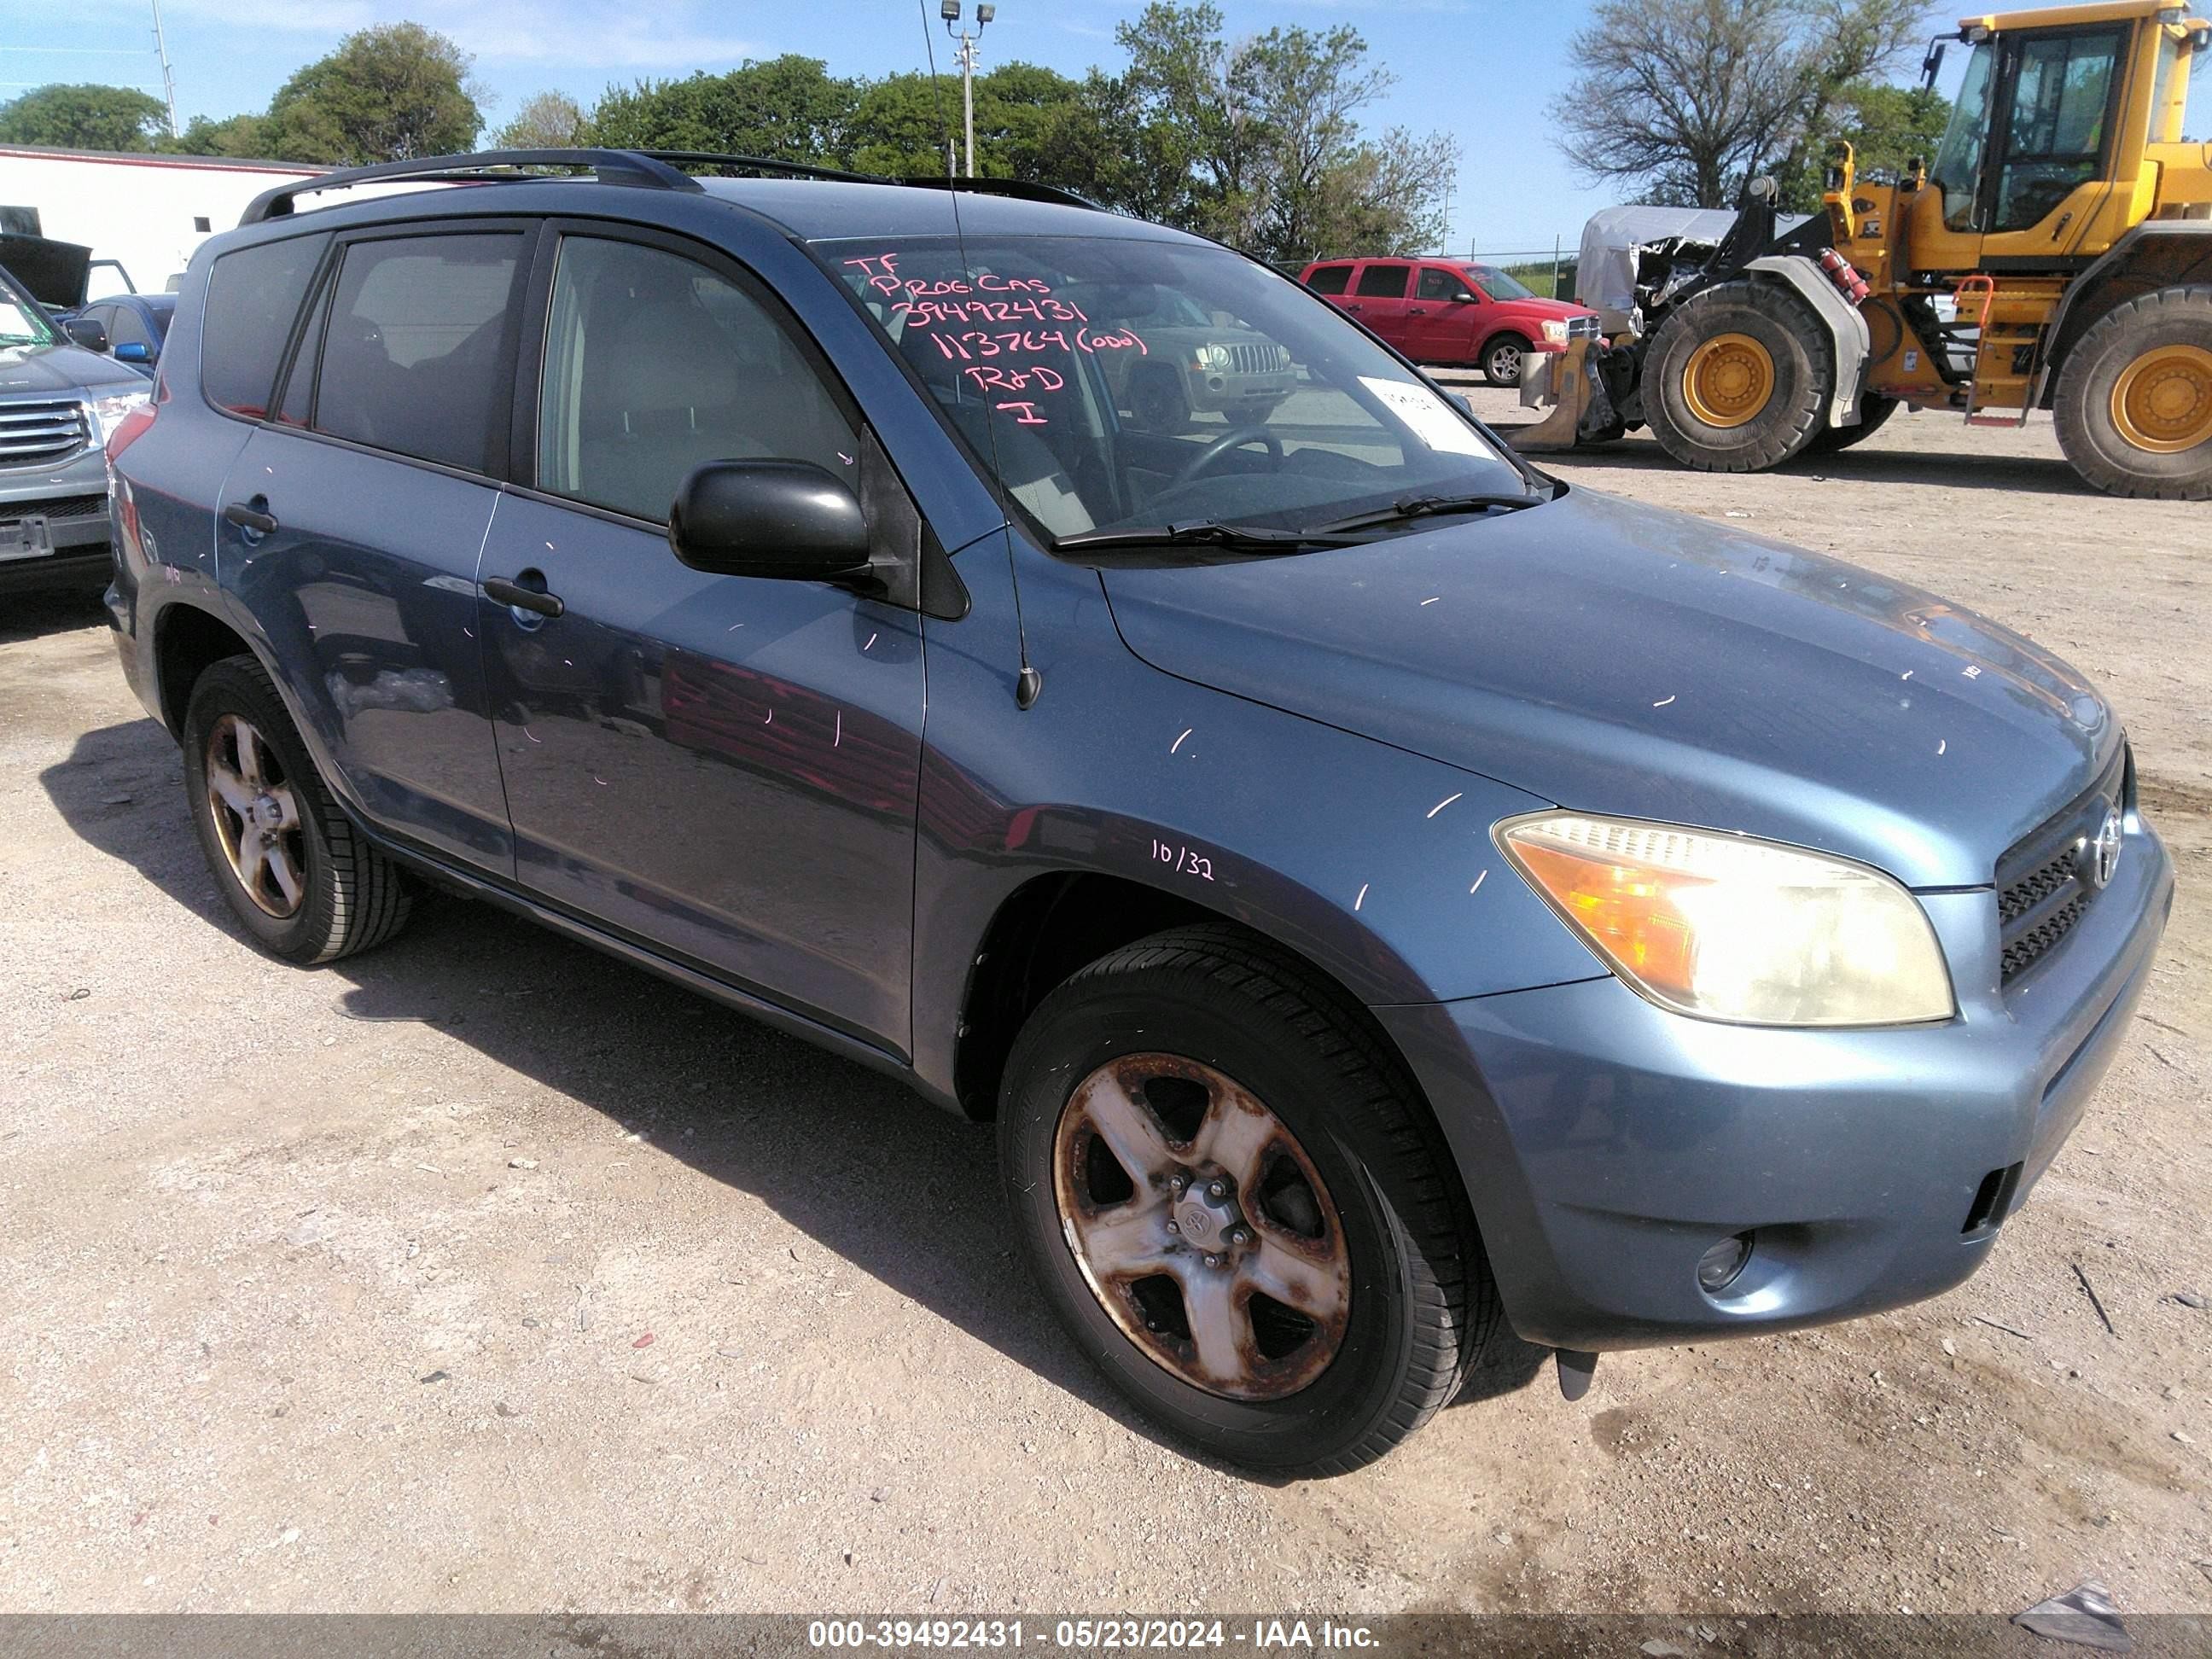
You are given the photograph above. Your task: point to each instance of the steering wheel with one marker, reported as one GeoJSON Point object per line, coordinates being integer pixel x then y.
{"type": "Point", "coordinates": [1235, 438]}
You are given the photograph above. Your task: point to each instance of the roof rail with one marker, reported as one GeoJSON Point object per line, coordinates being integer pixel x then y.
{"type": "Point", "coordinates": [611, 166]}
{"type": "Point", "coordinates": [764, 164]}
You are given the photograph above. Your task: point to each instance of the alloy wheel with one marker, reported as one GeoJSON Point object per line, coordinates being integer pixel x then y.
{"type": "Point", "coordinates": [1202, 1226]}
{"type": "Point", "coordinates": [256, 815]}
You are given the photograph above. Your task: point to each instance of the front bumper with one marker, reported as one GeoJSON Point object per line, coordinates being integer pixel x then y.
{"type": "Point", "coordinates": [54, 528]}
{"type": "Point", "coordinates": [1229, 392]}
{"type": "Point", "coordinates": [1607, 1143]}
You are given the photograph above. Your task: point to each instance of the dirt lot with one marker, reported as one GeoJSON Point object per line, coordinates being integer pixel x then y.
{"type": "Point", "coordinates": [486, 1274]}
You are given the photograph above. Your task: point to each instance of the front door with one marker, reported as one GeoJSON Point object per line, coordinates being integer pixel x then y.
{"type": "Point", "coordinates": [1440, 319]}
{"type": "Point", "coordinates": [721, 767]}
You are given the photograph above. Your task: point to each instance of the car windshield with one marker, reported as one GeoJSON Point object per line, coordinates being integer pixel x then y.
{"type": "Point", "coordinates": [1498, 285]}
{"type": "Point", "coordinates": [22, 320]}
{"type": "Point", "coordinates": [1117, 383]}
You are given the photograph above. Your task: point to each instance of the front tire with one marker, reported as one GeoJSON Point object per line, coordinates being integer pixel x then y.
{"type": "Point", "coordinates": [293, 869]}
{"type": "Point", "coordinates": [1310, 1293]}
{"type": "Point", "coordinates": [1501, 360]}
{"type": "Point", "coordinates": [1738, 378]}
{"type": "Point", "coordinates": [2134, 406]}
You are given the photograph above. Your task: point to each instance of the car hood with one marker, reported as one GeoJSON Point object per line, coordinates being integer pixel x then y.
{"type": "Point", "coordinates": [30, 371]}
{"type": "Point", "coordinates": [1614, 658]}
{"type": "Point", "coordinates": [1542, 307]}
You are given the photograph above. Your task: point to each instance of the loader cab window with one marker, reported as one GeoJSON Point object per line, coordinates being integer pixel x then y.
{"type": "Point", "coordinates": [2058, 102]}
{"type": "Point", "coordinates": [1959, 158]}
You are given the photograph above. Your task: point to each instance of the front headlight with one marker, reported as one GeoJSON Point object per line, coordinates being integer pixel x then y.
{"type": "Point", "coordinates": [1728, 928]}
{"type": "Point", "coordinates": [1555, 330]}
{"type": "Point", "coordinates": [1215, 357]}
{"type": "Point", "coordinates": [106, 413]}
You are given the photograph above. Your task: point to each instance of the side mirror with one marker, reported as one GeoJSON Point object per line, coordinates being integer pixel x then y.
{"type": "Point", "coordinates": [778, 519]}
{"type": "Point", "coordinates": [1467, 296]}
{"type": "Point", "coordinates": [1459, 401]}
{"type": "Point", "coordinates": [135, 351]}
{"type": "Point", "coordinates": [86, 333]}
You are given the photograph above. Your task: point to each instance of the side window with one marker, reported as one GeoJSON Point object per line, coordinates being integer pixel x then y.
{"type": "Point", "coordinates": [1438, 284]}
{"type": "Point", "coordinates": [2055, 139]}
{"type": "Point", "coordinates": [653, 365]}
{"type": "Point", "coordinates": [1380, 281]}
{"type": "Point", "coordinates": [413, 352]}
{"type": "Point", "coordinates": [1329, 279]}
{"type": "Point", "coordinates": [123, 328]}
{"type": "Point", "coordinates": [253, 296]}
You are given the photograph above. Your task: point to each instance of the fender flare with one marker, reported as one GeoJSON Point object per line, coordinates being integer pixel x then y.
{"type": "Point", "coordinates": [2061, 332]}
{"type": "Point", "coordinates": [1846, 328]}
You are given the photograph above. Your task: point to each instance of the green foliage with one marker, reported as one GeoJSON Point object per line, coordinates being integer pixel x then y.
{"type": "Point", "coordinates": [244, 137]}
{"type": "Point", "coordinates": [387, 93]}
{"type": "Point", "coordinates": [84, 117]}
{"type": "Point", "coordinates": [1886, 127]}
{"type": "Point", "coordinates": [788, 109]}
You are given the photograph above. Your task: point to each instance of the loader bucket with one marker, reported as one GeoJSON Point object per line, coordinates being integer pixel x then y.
{"type": "Point", "coordinates": [1564, 380]}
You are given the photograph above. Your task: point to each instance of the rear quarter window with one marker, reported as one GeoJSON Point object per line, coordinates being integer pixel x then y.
{"type": "Point", "coordinates": [1329, 279]}
{"type": "Point", "coordinates": [1384, 281]}
{"type": "Point", "coordinates": [253, 297]}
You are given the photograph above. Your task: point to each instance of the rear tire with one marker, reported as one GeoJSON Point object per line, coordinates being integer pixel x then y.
{"type": "Point", "coordinates": [292, 868]}
{"type": "Point", "coordinates": [1738, 378]}
{"type": "Point", "coordinates": [1501, 360]}
{"type": "Point", "coordinates": [1186, 1041]}
{"type": "Point", "coordinates": [2134, 406]}
{"type": "Point", "coordinates": [1873, 409]}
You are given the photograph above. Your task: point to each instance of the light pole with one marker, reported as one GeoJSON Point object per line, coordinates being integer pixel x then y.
{"type": "Point", "coordinates": [950, 11]}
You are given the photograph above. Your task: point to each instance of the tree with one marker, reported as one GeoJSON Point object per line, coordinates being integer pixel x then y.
{"type": "Point", "coordinates": [84, 117]}
{"type": "Point", "coordinates": [902, 123]}
{"type": "Point", "coordinates": [1259, 142]}
{"type": "Point", "coordinates": [786, 109]}
{"type": "Point", "coordinates": [1885, 126]}
{"type": "Point", "coordinates": [387, 93]}
{"type": "Point", "coordinates": [1681, 100]}
{"type": "Point", "coordinates": [244, 137]}
{"type": "Point", "coordinates": [547, 120]}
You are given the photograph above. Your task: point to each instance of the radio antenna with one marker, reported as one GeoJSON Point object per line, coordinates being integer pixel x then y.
{"type": "Point", "coordinates": [1028, 683]}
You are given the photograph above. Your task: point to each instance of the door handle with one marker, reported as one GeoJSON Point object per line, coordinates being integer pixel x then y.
{"type": "Point", "coordinates": [1355, 308]}
{"type": "Point", "coordinates": [524, 599]}
{"type": "Point", "coordinates": [251, 515]}
{"type": "Point", "coordinates": [1416, 310]}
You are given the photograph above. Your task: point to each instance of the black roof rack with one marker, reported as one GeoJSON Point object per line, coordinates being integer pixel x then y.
{"type": "Point", "coordinates": [611, 166]}
{"type": "Point", "coordinates": [653, 170]}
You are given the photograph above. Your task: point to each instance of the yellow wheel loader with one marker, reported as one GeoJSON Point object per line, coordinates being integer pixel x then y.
{"type": "Point", "coordinates": [2057, 255]}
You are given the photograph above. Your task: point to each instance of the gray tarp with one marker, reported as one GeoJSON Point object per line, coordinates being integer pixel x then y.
{"type": "Point", "coordinates": [1605, 278]}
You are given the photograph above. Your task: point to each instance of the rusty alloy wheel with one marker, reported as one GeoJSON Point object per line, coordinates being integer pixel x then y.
{"type": "Point", "coordinates": [255, 817]}
{"type": "Point", "coordinates": [1202, 1227]}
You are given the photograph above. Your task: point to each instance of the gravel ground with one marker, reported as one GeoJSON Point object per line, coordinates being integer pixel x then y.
{"type": "Point", "coordinates": [484, 1273]}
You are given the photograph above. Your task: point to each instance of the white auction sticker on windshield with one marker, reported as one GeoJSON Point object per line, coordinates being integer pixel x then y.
{"type": "Point", "coordinates": [1432, 419]}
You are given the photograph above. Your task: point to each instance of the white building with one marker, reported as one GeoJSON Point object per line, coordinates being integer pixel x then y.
{"type": "Point", "coordinates": [146, 212]}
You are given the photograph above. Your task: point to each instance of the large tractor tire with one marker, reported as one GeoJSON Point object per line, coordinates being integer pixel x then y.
{"type": "Point", "coordinates": [1738, 378]}
{"type": "Point", "coordinates": [2135, 398]}
{"type": "Point", "coordinates": [1873, 409]}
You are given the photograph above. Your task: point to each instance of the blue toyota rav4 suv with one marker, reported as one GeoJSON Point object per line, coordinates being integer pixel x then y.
{"type": "Point", "coordinates": [1376, 887]}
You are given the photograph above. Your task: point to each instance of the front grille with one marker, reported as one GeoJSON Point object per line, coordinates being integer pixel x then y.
{"type": "Point", "coordinates": [1258, 359]}
{"type": "Point", "coordinates": [32, 433]}
{"type": "Point", "coordinates": [2041, 891]}
{"type": "Point", "coordinates": [68, 506]}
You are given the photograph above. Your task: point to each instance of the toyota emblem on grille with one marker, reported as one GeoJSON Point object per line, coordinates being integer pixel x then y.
{"type": "Point", "coordinates": [2100, 858]}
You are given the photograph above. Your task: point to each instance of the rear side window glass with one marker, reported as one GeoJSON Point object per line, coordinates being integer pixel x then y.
{"type": "Point", "coordinates": [1329, 279]}
{"type": "Point", "coordinates": [1384, 282]}
{"type": "Point", "coordinates": [254, 296]}
{"type": "Point", "coordinates": [414, 352]}
{"type": "Point", "coordinates": [655, 365]}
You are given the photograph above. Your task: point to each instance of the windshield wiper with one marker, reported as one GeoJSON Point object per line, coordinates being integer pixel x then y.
{"type": "Point", "coordinates": [1210, 532]}
{"type": "Point", "coordinates": [1422, 507]}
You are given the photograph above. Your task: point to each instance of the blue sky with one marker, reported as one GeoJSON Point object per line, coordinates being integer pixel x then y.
{"type": "Point", "coordinates": [1482, 69]}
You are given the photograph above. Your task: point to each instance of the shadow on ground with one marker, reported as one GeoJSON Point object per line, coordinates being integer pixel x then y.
{"type": "Point", "coordinates": [901, 1192]}
{"type": "Point", "coordinates": [30, 616]}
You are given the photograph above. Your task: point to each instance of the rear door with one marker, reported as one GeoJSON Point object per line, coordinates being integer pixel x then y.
{"type": "Point", "coordinates": [722, 768]}
{"type": "Point", "coordinates": [380, 468]}
{"type": "Point", "coordinates": [1378, 298]}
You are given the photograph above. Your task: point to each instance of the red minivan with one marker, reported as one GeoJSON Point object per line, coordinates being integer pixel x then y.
{"type": "Point", "coordinates": [1446, 311]}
